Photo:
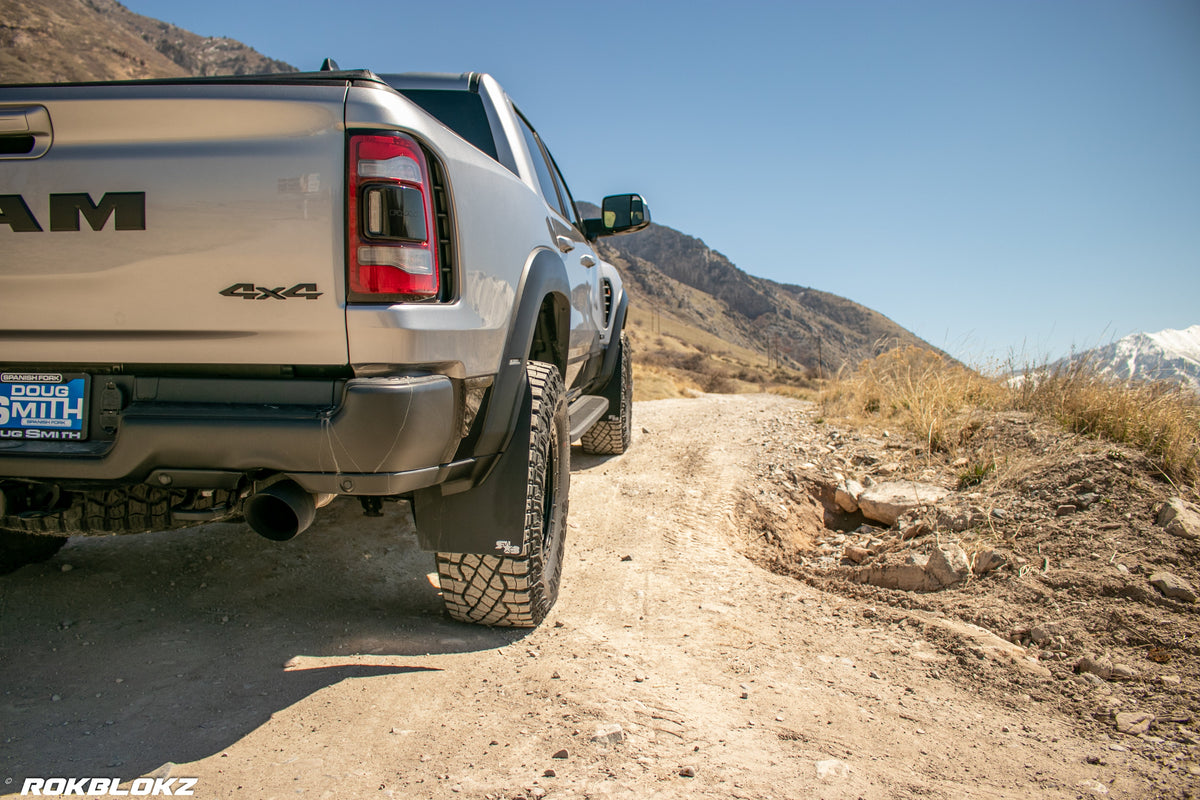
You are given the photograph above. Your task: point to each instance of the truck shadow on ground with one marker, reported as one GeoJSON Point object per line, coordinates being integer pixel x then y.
{"type": "Point", "coordinates": [124, 653]}
{"type": "Point", "coordinates": [582, 462]}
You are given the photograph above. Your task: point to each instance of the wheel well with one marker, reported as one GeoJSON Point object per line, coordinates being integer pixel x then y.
{"type": "Point", "coordinates": [551, 333]}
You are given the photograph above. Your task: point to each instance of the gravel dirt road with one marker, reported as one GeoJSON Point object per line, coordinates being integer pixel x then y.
{"type": "Point", "coordinates": [672, 665]}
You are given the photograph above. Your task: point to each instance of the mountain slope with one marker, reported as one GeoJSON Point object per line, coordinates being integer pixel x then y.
{"type": "Point", "coordinates": [55, 41]}
{"type": "Point", "coordinates": [679, 275]}
{"type": "Point", "coordinates": [1169, 355]}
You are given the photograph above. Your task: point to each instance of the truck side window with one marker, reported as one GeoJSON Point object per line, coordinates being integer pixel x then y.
{"type": "Point", "coordinates": [545, 177]}
{"type": "Point", "coordinates": [563, 191]}
{"type": "Point", "coordinates": [461, 112]}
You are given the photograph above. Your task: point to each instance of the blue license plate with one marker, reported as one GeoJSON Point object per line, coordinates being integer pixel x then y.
{"type": "Point", "coordinates": [49, 406]}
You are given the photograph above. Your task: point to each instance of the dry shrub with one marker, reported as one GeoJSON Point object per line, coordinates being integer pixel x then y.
{"type": "Point", "coordinates": [697, 370]}
{"type": "Point", "coordinates": [650, 383]}
{"type": "Point", "coordinates": [940, 402]}
{"type": "Point", "coordinates": [925, 394]}
{"type": "Point", "coordinates": [717, 383]}
{"type": "Point", "coordinates": [1160, 419]}
{"type": "Point", "coordinates": [683, 361]}
{"type": "Point", "coordinates": [796, 392]}
{"type": "Point", "coordinates": [677, 368]}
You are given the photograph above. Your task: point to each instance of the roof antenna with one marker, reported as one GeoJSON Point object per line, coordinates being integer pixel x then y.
{"type": "Point", "coordinates": [329, 65]}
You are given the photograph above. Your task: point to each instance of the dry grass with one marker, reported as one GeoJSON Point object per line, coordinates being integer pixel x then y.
{"type": "Point", "coordinates": [664, 331]}
{"type": "Point", "coordinates": [942, 402]}
{"type": "Point", "coordinates": [1157, 418]}
{"type": "Point", "coordinates": [650, 383]}
{"type": "Point", "coordinates": [927, 395]}
{"type": "Point", "coordinates": [682, 362]}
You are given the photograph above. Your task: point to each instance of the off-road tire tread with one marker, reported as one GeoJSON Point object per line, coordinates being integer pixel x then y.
{"type": "Point", "coordinates": [125, 509]}
{"type": "Point", "coordinates": [513, 591]}
{"type": "Point", "coordinates": [611, 435]}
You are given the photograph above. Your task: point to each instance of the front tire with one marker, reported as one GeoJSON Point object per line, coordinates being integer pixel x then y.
{"type": "Point", "coordinates": [518, 591]}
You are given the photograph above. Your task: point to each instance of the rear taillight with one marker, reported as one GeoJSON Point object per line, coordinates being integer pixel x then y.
{"type": "Point", "coordinates": [393, 238]}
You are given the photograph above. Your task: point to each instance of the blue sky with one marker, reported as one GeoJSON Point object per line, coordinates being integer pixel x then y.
{"type": "Point", "coordinates": [1005, 179]}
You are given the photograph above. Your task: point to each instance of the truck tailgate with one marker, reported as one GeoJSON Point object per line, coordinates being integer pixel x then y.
{"type": "Point", "coordinates": [237, 258]}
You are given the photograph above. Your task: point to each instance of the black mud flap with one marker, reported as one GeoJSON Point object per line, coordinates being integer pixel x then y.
{"type": "Point", "coordinates": [612, 388]}
{"type": "Point", "coordinates": [488, 519]}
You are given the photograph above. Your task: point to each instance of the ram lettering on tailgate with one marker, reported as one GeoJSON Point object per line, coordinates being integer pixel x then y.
{"type": "Point", "coordinates": [128, 210]}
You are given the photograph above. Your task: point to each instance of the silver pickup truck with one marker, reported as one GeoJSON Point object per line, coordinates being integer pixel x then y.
{"type": "Point", "coordinates": [239, 297]}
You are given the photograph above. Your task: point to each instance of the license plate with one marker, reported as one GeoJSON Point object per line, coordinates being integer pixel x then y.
{"type": "Point", "coordinates": [44, 405]}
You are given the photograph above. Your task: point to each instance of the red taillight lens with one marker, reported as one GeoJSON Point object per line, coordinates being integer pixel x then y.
{"type": "Point", "coordinates": [393, 241]}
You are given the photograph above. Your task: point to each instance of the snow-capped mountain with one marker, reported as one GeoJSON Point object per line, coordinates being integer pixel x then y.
{"type": "Point", "coordinates": [1168, 355]}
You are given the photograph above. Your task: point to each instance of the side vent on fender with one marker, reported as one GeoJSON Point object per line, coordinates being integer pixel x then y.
{"type": "Point", "coordinates": [607, 289]}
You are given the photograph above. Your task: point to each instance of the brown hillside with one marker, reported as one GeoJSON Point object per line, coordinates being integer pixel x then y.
{"type": "Point", "coordinates": [678, 275]}
{"type": "Point", "coordinates": [56, 41]}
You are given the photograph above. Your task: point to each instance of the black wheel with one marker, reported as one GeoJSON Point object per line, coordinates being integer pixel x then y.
{"type": "Point", "coordinates": [18, 549]}
{"type": "Point", "coordinates": [611, 435]}
{"type": "Point", "coordinates": [519, 590]}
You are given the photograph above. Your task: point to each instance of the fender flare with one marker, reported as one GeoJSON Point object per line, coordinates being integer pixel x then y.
{"type": "Point", "coordinates": [544, 278]}
{"type": "Point", "coordinates": [475, 515]}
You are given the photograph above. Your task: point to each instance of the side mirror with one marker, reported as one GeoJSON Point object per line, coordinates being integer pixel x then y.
{"type": "Point", "coordinates": [619, 213]}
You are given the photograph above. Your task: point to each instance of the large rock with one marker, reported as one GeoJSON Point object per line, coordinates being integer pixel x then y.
{"type": "Point", "coordinates": [1134, 723]}
{"type": "Point", "coordinates": [944, 566]}
{"type": "Point", "coordinates": [908, 577]}
{"type": "Point", "coordinates": [1173, 586]}
{"type": "Point", "coordinates": [1180, 518]}
{"type": "Point", "coordinates": [885, 502]}
{"type": "Point", "coordinates": [988, 645]}
{"type": "Point", "coordinates": [847, 495]}
{"type": "Point", "coordinates": [947, 566]}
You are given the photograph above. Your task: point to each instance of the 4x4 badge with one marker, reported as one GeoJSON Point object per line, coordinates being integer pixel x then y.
{"type": "Point", "coordinates": [248, 291]}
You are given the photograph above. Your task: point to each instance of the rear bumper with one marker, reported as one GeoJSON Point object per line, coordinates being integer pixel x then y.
{"type": "Point", "coordinates": [386, 436]}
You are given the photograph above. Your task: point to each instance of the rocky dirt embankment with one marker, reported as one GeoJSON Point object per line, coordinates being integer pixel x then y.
{"type": "Point", "coordinates": [1070, 550]}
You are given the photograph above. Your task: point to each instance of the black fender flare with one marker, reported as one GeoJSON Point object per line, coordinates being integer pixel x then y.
{"type": "Point", "coordinates": [491, 508]}
{"type": "Point", "coordinates": [545, 277]}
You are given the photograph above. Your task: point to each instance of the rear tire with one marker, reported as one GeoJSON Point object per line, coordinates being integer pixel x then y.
{"type": "Point", "coordinates": [611, 435]}
{"type": "Point", "coordinates": [121, 509]}
{"type": "Point", "coordinates": [518, 591]}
